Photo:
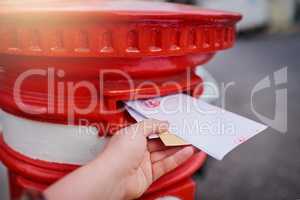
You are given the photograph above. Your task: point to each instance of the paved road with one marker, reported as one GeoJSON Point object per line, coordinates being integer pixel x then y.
{"type": "Point", "coordinates": [3, 183]}
{"type": "Point", "coordinates": [268, 166]}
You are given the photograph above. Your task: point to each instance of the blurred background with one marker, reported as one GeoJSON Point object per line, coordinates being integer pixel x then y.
{"type": "Point", "coordinates": [268, 166]}
{"type": "Point", "coordinates": [272, 15]}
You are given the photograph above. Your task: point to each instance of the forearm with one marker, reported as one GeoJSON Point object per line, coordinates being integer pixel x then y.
{"type": "Point", "coordinates": [97, 180]}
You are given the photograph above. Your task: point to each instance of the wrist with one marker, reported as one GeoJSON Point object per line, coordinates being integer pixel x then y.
{"type": "Point", "coordinates": [114, 174]}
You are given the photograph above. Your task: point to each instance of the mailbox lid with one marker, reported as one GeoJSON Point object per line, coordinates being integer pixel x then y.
{"type": "Point", "coordinates": [112, 29]}
{"type": "Point", "coordinates": [116, 10]}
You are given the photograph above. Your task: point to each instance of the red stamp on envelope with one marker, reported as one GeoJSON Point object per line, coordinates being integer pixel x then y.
{"type": "Point", "coordinates": [152, 103]}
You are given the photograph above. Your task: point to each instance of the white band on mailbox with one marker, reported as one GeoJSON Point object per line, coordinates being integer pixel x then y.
{"type": "Point", "coordinates": [51, 142]}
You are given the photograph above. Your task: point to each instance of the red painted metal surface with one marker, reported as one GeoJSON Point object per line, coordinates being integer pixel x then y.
{"type": "Point", "coordinates": [78, 41]}
{"type": "Point", "coordinates": [113, 29]}
{"type": "Point", "coordinates": [157, 42]}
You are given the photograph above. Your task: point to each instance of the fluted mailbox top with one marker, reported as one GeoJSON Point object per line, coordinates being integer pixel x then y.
{"type": "Point", "coordinates": [112, 29]}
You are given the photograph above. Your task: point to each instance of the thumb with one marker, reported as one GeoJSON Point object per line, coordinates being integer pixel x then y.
{"type": "Point", "coordinates": [147, 127]}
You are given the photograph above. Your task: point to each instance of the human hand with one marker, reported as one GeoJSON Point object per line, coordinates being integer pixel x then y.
{"type": "Point", "coordinates": [140, 162]}
{"type": "Point", "coordinates": [125, 169]}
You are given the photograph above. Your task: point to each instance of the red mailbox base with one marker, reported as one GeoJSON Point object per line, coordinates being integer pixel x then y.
{"type": "Point", "coordinates": [183, 190]}
{"type": "Point", "coordinates": [27, 173]}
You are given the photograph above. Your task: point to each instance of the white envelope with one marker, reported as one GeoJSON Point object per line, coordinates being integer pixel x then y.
{"type": "Point", "coordinates": [209, 128]}
{"type": "Point", "coordinates": [138, 117]}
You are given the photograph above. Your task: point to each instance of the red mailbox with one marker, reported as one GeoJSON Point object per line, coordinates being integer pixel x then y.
{"type": "Point", "coordinates": [64, 62]}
